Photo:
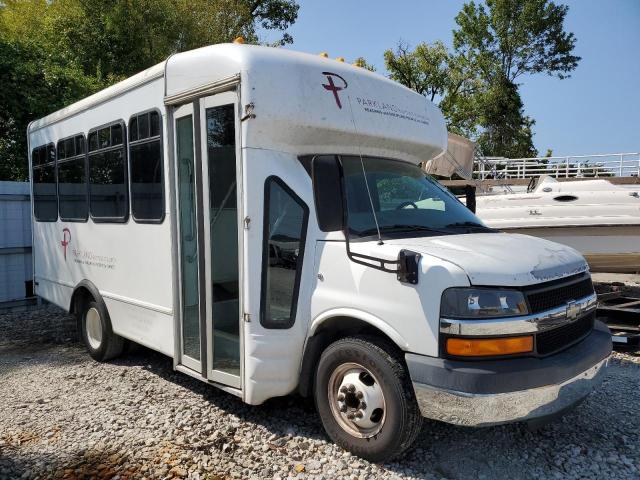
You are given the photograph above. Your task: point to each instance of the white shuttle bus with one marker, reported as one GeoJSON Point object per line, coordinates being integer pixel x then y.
{"type": "Point", "coordinates": [259, 215]}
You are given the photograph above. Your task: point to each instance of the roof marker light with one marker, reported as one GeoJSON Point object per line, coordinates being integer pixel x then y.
{"type": "Point", "coordinates": [239, 40]}
{"type": "Point", "coordinates": [324, 55]}
{"type": "Point", "coordinates": [340, 59]}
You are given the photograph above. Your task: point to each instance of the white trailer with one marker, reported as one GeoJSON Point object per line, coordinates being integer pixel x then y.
{"type": "Point", "coordinates": [259, 216]}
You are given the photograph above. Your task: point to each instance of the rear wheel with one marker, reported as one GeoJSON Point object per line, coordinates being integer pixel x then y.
{"type": "Point", "coordinates": [97, 333]}
{"type": "Point", "coordinates": [365, 398]}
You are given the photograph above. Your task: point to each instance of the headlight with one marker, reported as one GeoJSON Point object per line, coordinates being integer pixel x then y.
{"type": "Point", "coordinates": [482, 303]}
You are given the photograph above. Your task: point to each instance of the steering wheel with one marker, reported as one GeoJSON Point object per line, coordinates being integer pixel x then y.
{"type": "Point", "coordinates": [406, 204]}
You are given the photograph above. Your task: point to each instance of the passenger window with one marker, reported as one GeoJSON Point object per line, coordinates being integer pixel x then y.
{"type": "Point", "coordinates": [108, 196]}
{"type": "Point", "coordinates": [146, 166]}
{"type": "Point", "coordinates": [285, 228]}
{"type": "Point", "coordinates": [45, 201]}
{"type": "Point", "coordinates": [73, 197]}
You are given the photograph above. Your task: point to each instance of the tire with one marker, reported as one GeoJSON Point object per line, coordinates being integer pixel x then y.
{"type": "Point", "coordinates": [97, 333]}
{"type": "Point", "coordinates": [371, 366]}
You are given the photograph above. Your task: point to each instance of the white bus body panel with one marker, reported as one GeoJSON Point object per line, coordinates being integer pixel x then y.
{"type": "Point", "coordinates": [273, 356]}
{"type": "Point", "coordinates": [129, 263]}
{"type": "Point", "coordinates": [295, 113]}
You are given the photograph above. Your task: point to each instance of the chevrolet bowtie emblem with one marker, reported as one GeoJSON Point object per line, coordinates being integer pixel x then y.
{"type": "Point", "coordinates": [573, 310]}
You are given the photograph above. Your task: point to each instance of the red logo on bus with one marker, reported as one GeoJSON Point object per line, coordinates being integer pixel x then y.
{"type": "Point", "coordinates": [66, 240]}
{"type": "Point", "coordinates": [332, 87]}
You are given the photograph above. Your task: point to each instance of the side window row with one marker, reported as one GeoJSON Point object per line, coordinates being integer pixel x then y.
{"type": "Point", "coordinates": [94, 178]}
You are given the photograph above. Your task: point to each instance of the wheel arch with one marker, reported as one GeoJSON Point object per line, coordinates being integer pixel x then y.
{"type": "Point", "coordinates": [333, 325]}
{"type": "Point", "coordinates": [82, 292]}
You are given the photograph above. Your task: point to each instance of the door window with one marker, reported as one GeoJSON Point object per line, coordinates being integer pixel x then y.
{"type": "Point", "coordinates": [223, 219]}
{"type": "Point", "coordinates": [285, 227]}
{"type": "Point", "coordinates": [188, 238]}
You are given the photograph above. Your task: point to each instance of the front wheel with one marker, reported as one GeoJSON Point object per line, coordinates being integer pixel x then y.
{"type": "Point", "coordinates": [365, 398]}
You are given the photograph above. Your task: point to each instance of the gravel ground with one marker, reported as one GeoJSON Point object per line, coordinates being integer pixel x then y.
{"type": "Point", "coordinates": [62, 415]}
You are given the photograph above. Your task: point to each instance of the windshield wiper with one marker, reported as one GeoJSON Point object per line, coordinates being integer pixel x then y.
{"type": "Point", "coordinates": [401, 228]}
{"type": "Point", "coordinates": [468, 225]}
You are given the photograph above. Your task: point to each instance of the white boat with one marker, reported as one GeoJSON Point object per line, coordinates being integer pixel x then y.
{"type": "Point", "coordinates": [596, 217]}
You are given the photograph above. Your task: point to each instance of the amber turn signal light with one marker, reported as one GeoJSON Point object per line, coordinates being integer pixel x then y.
{"type": "Point", "coordinates": [482, 347]}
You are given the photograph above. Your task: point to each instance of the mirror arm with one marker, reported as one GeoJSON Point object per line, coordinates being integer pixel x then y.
{"type": "Point", "coordinates": [366, 260]}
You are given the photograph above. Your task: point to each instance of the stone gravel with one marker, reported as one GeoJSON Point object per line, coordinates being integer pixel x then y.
{"type": "Point", "coordinates": [63, 415]}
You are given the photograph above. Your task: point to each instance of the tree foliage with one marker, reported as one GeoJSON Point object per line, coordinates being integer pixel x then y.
{"type": "Point", "coordinates": [54, 52]}
{"type": "Point", "coordinates": [475, 83]}
{"type": "Point", "coordinates": [362, 63]}
{"type": "Point", "coordinates": [515, 37]}
{"type": "Point", "coordinates": [425, 69]}
{"type": "Point", "coordinates": [33, 84]}
{"type": "Point", "coordinates": [506, 130]}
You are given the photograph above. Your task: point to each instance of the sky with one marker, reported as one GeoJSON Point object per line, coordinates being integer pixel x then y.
{"type": "Point", "coordinates": [595, 111]}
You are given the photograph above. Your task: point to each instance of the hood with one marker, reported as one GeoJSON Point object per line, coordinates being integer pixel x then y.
{"type": "Point", "coordinates": [500, 259]}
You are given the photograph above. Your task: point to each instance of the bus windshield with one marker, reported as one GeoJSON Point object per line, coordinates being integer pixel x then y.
{"type": "Point", "coordinates": [403, 198]}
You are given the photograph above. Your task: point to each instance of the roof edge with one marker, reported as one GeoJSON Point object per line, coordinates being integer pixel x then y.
{"type": "Point", "coordinates": [146, 76]}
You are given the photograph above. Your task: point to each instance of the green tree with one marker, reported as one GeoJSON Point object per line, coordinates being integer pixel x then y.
{"type": "Point", "coordinates": [54, 52]}
{"type": "Point", "coordinates": [506, 130]}
{"type": "Point", "coordinates": [515, 37]}
{"type": "Point", "coordinates": [425, 69]}
{"type": "Point", "coordinates": [122, 37]}
{"type": "Point", "coordinates": [33, 84]}
{"type": "Point", "coordinates": [508, 39]}
{"type": "Point", "coordinates": [475, 84]}
{"type": "Point", "coordinates": [362, 63]}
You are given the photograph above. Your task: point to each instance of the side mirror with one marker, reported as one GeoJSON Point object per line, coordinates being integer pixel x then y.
{"type": "Point", "coordinates": [408, 263]}
{"type": "Point", "coordinates": [327, 192]}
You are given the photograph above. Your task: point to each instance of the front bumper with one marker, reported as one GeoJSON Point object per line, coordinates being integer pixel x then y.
{"type": "Point", "coordinates": [491, 392]}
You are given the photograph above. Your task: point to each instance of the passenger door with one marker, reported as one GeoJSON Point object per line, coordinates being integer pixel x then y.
{"type": "Point", "coordinates": [207, 153]}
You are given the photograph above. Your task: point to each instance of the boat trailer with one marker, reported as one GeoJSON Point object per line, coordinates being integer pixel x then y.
{"type": "Point", "coordinates": [621, 313]}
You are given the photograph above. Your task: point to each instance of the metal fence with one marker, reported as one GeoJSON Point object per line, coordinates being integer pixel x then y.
{"type": "Point", "coordinates": [16, 282]}
{"type": "Point", "coordinates": [579, 166]}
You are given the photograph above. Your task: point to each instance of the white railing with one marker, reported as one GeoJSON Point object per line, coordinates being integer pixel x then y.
{"type": "Point", "coordinates": [605, 165]}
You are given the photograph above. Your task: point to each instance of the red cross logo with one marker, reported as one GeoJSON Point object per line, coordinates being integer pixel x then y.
{"type": "Point", "coordinates": [66, 240]}
{"type": "Point", "coordinates": [332, 87]}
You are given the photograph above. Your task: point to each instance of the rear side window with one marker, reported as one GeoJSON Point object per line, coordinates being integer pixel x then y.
{"type": "Point", "coordinates": [73, 195]}
{"type": "Point", "coordinates": [285, 228]}
{"type": "Point", "coordinates": [108, 195]}
{"type": "Point", "coordinates": [146, 167]}
{"type": "Point", "coordinates": [45, 200]}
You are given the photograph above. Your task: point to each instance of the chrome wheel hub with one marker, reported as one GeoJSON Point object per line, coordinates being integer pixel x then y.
{"type": "Point", "coordinates": [356, 400]}
{"type": "Point", "coordinates": [93, 327]}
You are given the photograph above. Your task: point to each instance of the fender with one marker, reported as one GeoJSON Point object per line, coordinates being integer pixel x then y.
{"type": "Point", "coordinates": [315, 343]}
{"type": "Point", "coordinates": [372, 320]}
{"type": "Point", "coordinates": [95, 293]}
